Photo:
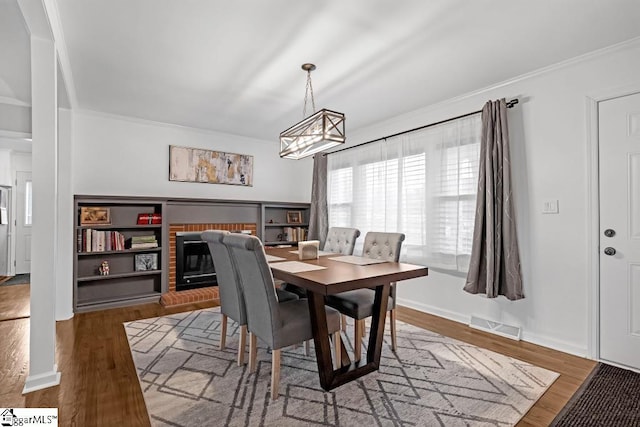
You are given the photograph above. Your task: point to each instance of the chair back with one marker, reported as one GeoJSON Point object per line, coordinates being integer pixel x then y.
{"type": "Point", "coordinates": [256, 281]}
{"type": "Point", "coordinates": [386, 246]}
{"type": "Point", "coordinates": [341, 240]}
{"type": "Point", "coordinates": [380, 245]}
{"type": "Point", "coordinates": [231, 299]}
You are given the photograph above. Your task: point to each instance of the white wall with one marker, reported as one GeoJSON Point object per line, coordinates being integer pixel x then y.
{"type": "Point", "coordinates": [5, 168]}
{"type": "Point", "coordinates": [120, 156]}
{"type": "Point", "coordinates": [549, 157]}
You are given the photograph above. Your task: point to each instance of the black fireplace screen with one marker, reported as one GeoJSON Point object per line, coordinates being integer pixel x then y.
{"type": "Point", "coordinates": [194, 266]}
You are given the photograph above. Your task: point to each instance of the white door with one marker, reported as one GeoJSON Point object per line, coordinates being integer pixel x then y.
{"type": "Point", "coordinates": [619, 145]}
{"type": "Point", "coordinates": [5, 231]}
{"type": "Point", "coordinates": [23, 222]}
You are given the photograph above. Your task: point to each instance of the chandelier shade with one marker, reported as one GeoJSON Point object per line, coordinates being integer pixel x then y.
{"type": "Point", "coordinates": [318, 132]}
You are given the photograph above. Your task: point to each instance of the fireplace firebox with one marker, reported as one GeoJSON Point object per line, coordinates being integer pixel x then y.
{"type": "Point", "coordinates": [194, 266]}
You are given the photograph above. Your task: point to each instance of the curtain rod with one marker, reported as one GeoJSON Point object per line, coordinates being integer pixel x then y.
{"type": "Point", "coordinates": [510, 104]}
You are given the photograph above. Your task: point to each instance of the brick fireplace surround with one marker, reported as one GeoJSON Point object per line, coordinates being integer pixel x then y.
{"type": "Point", "coordinates": [210, 293]}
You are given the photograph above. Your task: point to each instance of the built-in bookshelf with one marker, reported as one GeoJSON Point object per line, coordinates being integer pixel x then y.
{"type": "Point", "coordinates": [118, 257]}
{"type": "Point", "coordinates": [284, 223]}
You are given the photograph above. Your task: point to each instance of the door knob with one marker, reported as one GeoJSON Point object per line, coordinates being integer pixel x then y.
{"type": "Point", "coordinates": [609, 232]}
{"type": "Point", "coordinates": [609, 251]}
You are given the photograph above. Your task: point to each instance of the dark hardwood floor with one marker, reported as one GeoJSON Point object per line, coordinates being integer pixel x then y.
{"type": "Point", "coordinates": [14, 301]}
{"type": "Point", "coordinates": [99, 385]}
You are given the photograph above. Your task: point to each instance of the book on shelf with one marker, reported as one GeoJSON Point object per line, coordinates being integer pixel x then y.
{"type": "Point", "coordinates": [143, 239]}
{"type": "Point", "coordinates": [149, 245]}
{"type": "Point", "coordinates": [90, 240]}
{"type": "Point", "coordinates": [295, 234]}
{"type": "Point", "coordinates": [143, 242]}
{"type": "Point", "coordinates": [149, 218]}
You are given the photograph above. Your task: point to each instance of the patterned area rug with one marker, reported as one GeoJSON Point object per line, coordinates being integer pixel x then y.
{"type": "Point", "coordinates": [432, 380]}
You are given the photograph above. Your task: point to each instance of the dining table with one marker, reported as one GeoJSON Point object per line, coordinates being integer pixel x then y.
{"type": "Point", "coordinates": [331, 274]}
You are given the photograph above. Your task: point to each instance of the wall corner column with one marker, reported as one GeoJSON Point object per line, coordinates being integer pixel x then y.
{"type": "Point", "coordinates": [43, 371]}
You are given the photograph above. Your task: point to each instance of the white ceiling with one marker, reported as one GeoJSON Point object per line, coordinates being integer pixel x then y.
{"type": "Point", "coordinates": [15, 60]}
{"type": "Point", "coordinates": [234, 66]}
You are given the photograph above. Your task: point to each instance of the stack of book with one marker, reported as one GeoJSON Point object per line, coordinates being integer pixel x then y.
{"type": "Point", "coordinates": [89, 240]}
{"type": "Point", "coordinates": [143, 242]}
{"type": "Point", "coordinates": [294, 234]}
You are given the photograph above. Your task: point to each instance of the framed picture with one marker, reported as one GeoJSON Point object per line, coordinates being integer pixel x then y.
{"type": "Point", "coordinates": [95, 216]}
{"type": "Point", "coordinates": [144, 262]}
{"type": "Point", "coordinates": [294, 217]}
{"type": "Point", "coordinates": [214, 167]}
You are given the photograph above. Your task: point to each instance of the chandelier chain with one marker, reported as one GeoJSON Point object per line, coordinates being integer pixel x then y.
{"type": "Point", "coordinates": [308, 89]}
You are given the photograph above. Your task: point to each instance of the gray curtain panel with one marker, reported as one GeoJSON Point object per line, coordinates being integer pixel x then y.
{"type": "Point", "coordinates": [319, 212]}
{"type": "Point", "coordinates": [495, 262]}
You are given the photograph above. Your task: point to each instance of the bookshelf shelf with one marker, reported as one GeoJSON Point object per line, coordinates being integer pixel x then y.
{"type": "Point", "coordinates": [119, 227]}
{"type": "Point", "coordinates": [124, 251]}
{"type": "Point", "coordinates": [286, 224]}
{"type": "Point", "coordinates": [118, 276]}
{"type": "Point", "coordinates": [123, 285]}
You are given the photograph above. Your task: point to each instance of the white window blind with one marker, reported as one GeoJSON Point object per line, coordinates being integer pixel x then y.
{"type": "Point", "coordinates": [422, 184]}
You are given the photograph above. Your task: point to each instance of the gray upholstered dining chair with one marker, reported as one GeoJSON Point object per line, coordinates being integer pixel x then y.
{"type": "Point", "coordinates": [341, 240]}
{"type": "Point", "coordinates": [278, 323]}
{"type": "Point", "coordinates": [231, 299]}
{"type": "Point", "coordinates": [358, 304]}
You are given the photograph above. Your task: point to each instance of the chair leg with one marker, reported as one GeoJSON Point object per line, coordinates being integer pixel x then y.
{"type": "Point", "coordinates": [357, 340]}
{"type": "Point", "coordinates": [344, 323]}
{"type": "Point", "coordinates": [275, 373]}
{"type": "Point", "coordinates": [394, 342]}
{"type": "Point", "coordinates": [223, 332]}
{"type": "Point", "coordinates": [253, 352]}
{"type": "Point", "coordinates": [242, 344]}
{"type": "Point", "coordinates": [337, 349]}
{"type": "Point", "coordinates": [307, 347]}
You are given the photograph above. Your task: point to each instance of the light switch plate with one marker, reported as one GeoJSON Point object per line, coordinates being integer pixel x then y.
{"type": "Point", "coordinates": [550, 207]}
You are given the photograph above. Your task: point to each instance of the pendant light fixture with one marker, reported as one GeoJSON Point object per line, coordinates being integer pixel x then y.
{"type": "Point", "coordinates": [318, 132]}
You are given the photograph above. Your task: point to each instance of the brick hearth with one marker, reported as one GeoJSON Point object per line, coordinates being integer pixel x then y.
{"type": "Point", "coordinates": [210, 293]}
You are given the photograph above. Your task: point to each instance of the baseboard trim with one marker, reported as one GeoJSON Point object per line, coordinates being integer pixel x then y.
{"type": "Point", "coordinates": [40, 381]}
{"type": "Point", "coordinates": [529, 337]}
{"type": "Point", "coordinates": [430, 309]}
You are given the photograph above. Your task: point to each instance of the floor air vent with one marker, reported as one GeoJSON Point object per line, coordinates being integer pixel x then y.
{"type": "Point", "coordinates": [497, 328]}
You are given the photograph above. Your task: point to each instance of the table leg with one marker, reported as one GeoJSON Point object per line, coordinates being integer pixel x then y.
{"type": "Point", "coordinates": [376, 334]}
{"type": "Point", "coordinates": [321, 338]}
{"type": "Point", "coordinates": [330, 378]}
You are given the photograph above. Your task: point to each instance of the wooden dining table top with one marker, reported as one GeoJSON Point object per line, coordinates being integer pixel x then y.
{"type": "Point", "coordinates": [341, 276]}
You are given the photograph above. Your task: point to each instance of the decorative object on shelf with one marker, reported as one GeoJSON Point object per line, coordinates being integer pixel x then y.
{"type": "Point", "coordinates": [294, 217]}
{"type": "Point", "coordinates": [144, 262]}
{"type": "Point", "coordinates": [149, 218]}
{"type": "Point", "coordinates": [308, 249]}
{"type": "Point", "coordinates": [95, 216]}
{"type": "Point", "coordinates": [213, 167]}
{"type": "Point", "coordinates": [104, 268]}
{"type": "Point", "coordinates": [320, 131]}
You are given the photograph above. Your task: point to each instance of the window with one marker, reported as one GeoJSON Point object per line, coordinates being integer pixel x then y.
{"type": "Point", "coordinates": [422, 184]}
{"type": "Point", "coordinates": [28, 196]}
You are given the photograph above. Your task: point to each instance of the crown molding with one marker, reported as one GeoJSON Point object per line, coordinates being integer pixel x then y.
{"type": "Point", "coordinates": [454, 102]}
{"type": "Point", "coordinates": [595, 54]}
{"type": "Point", "coordinates": [148, 122]}
{"type": "Point", "coordinates": [13, 101]}
{"type": "Point", "coordinates": [15, 135]}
